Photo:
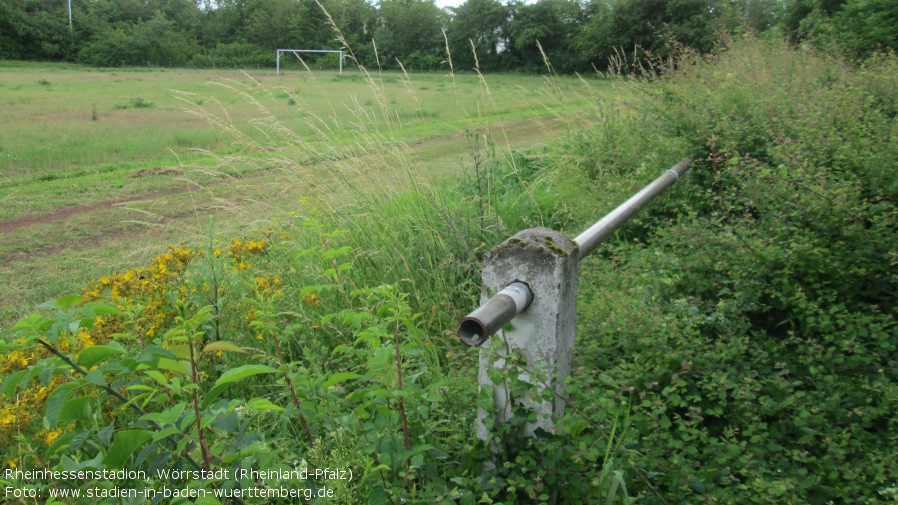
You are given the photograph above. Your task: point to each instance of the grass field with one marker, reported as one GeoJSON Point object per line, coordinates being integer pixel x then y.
{"type": "Point", "coordinates": [101, 169]}
{"type": "Point", "coordinates": [735, 341]}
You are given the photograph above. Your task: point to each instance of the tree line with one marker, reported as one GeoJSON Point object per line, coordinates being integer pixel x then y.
{"type": "Point", "coordinates": [574, 35]}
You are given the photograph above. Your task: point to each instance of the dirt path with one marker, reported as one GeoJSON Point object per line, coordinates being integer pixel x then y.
{"type": "Point", "coordinates": [515, 131]}
{"type": "Point", "coordinates": [69, 212]}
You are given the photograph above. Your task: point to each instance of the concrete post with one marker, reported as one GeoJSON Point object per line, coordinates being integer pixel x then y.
{"type": "Point", "coordinates": [547, 262]}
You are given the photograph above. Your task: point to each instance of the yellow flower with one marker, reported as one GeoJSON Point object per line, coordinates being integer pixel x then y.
{"type": "Point", "coordinates": [259, 337]}
{"type": "Point", "coordinates": [6, 417]}
{"type": "Point", "coordinates": [10, 463]}
{"type": "Point", "coordinates": [17, 358]}
{"type": "Point", "coordinates": [310, 299]}
{"type": "Point", "coordinates": [51, 436]}
{"type": "Point", "coordinates": [86, 339]}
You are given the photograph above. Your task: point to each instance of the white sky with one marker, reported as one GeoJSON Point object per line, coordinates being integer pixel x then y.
{"type": "Point", "coordinates": [456, 3]}
{"type": "Point", "coordinates": [449, 3]}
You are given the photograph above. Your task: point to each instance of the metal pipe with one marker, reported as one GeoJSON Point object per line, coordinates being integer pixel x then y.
{"type": "Point", "coordinates": [495, 313]}
{"type": "Point", "coordinates": [605, 227]}
{"type": "Point", "coordinates": [499, 310]}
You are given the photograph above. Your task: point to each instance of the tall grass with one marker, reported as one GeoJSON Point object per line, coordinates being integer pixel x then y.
{"type": "Point", "coordinates": [344, 319]}
{"type": "Point", "coordinates": [355, 170]}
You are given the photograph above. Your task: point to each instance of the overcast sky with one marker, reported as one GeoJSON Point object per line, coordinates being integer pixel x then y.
{"type": "Point", "coordinates": [456, 3]}
{"type": "Point", "coordinates": [449, 3]}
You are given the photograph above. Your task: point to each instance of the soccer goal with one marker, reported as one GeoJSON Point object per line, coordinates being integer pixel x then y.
{"type": "Point", "coordinates": [296, 51]}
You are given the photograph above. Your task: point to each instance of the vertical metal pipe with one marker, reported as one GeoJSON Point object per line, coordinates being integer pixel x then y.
{"type": "Point", "coordinates": [605, 227]}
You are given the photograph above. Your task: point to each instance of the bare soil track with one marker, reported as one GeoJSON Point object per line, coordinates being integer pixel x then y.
{"type": "Point", "coordinates": [69, 212]}
{"type": "Point", "coordinates": [517, 133]}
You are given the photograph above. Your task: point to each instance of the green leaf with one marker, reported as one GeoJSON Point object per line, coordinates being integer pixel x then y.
{"type": "Point", "coordinates": [222, 346]}
{"type": "Point", "coordinates": [95, 354]}
{"type": "Point", "coordinates": [339, 377]}
{"type": "Point", "coordinates": [76, 409]}
{"type": "Point", "coordinates": [125, 444]}
{"type": "Point", "coordinates": [212, 395]}
{"type": "Point", "coordinates": [62, 303]}
{"type": "Point", "coordinates": [157, 376]}
{"type": "Point", "coordinates": [168, 416]}
{"type": "Point", "coordinates": [242, 372]}
{"type": "Point", "coordinates": [261, 405]}
{"type": "Point", "coordinates": [68, 301]}
{"type": "Point", "coordinates": [249, 450]}
{"type": "Point", "coordinates": [11, 384]}
{"type": "Point", "coordinates": [74, 325]}
{"type": "Point", "coordinates": [165, 433]}
{"type": "Point", "coordinates": [173, 365]}
{"type": "Point", "coordinates": [56, 400]}
{"type": "Point", "coordinates": [204, 314]}
{"type": "Point", "coordinates": [96, 378]}
{"type": "Point", "coordinates": [96, 308]}
{"type": "Point", "coordinates": [36, 323]}
{"type": "Point", "coordinates": [182, 351]}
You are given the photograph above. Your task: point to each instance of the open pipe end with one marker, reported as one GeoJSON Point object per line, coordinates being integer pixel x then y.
{"type": "Point", "coordinates": [472, 331]}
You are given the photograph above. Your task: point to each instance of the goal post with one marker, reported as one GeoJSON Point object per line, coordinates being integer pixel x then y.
{"type": "Point", "coordinates": [295, 51]}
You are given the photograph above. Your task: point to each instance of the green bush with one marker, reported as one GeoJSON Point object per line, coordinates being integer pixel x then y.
{"type": "Point", "coordinates": [756, 337]}
{"type": "Point", "coordinates": [234, 55]}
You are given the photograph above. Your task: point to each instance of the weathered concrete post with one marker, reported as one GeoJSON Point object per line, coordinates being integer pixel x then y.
{"type": "Point", "coordinates": [547, 262]}
{"type": "Point", "coordinates": [530, 287]}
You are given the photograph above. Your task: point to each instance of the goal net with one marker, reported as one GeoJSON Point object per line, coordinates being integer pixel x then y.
{"type": "Point", "coordinates": [297, 51]}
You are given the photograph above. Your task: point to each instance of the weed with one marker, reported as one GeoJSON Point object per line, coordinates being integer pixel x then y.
{"type": "Point", "coordinates": [763, 312]}
{"type": "Point", "coordinates": [324, 337]}
{"type": "Point", "coordinates": [140, 103]}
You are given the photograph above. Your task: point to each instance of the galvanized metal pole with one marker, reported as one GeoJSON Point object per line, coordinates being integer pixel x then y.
{"type": "Point", "coordinates": [605, 227]}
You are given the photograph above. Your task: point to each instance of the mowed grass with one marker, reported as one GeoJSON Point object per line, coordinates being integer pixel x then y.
{"type": "Point", "coordinates": [101, 169]}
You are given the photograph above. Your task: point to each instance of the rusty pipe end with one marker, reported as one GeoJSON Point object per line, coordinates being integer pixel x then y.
{"type": "Point", "coordinates": [472, 331]}
{"type": "Point", "coordinates": [498, 311]}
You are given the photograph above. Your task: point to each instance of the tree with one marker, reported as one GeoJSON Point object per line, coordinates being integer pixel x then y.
{"type": "Point", "coordinates": [356, 20]}
{"type": "Point", "coordinates": [410, 31]}
{"type": "Point", "coordinates": [34, 29]}
{"type": "Point", "coordinates": [550, 24]}
{"type": "Point", "coordinates": [159, 42]}
{"type": "Point", "coordinates": [648, 26]}
{"type": "Point", "coordinates": [483, 23]}
{"type": "Point", "coordinates": [865, 26]}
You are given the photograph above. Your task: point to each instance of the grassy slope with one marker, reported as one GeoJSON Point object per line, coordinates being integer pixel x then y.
{"type": "Point", "coordinates": [83, 198]}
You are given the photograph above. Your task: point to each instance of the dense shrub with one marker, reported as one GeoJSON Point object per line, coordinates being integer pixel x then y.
{"type": "Point", "coordinates": [234, 55]}
{"type": "Point", "coordinates": [755, 340]}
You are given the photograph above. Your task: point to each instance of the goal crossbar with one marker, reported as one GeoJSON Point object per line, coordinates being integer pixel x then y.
{"type": "Point", "coordinates": [279, 51]}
